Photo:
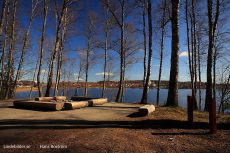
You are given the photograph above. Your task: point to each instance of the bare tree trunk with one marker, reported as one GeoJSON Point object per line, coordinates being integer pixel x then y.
{"type": "Point", "coordinates": [199, 72]}
{"type": "Point", "coordinates": [105, 51]}
{"type": "Point", "coordinates": [194, 44]}
{"type": "Point", "coordinates": [87, 68]}
{"type": "Point", "coordinates": [214, 72]}
{"type": "Point", "coordinates": [3, 16]}
{"type": "Point", "coordinates": [122, 28]}
{"type": "Point", "coordinates": [105, 64]}
{"type": "Point", "coordinates": [34, 5]}
{"type": "Point", "coordinates": [56, 48]}
{"type": "Point", "coordinates": [146, 87]}
{"type": "Point", "coordinates": [45, 8]}
{"type": "Point", "coordinates": [60, 54]}
{"type": "Point", "coordinates": [33, 78]}
{"type": "Point", "coordinates": [10, 60]}
{"type": "Point", "coordinates": [212, 29]}
{"type": "Point", "coordinates": [81, 65]}
{"type": "Point", "coordinates": [161, 52]}
{"type": "Point", "coordinates": [144, 35]}
{"type": "Point", "coordinates": [172, 99]}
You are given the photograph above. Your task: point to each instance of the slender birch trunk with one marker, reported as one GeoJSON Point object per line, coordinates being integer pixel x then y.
{"type": "Point", "coordinates": [56, 48]}
{"type": "Point", "coordinates": [144, 39]}
{"type": "Point", "coordinates": [10, 55]}
{"type": "Point", "coordinates": [34, 5]}
{"type": "Point", "coordinates": [146, 87]}
{"type": "Point", "coordinates": [60, 54]}
{"type": "Point", "coordinates": [122, 28]}
{"type": "Point", "coordinates": [194, 35]}
{"type": "Point", "coordinates": [161, 52]}
{"type": "Point", "coordinates": [45, 9]}
{"type": "Point", "coordinates": [211, 34]}
{"type": "Point", "coordinates": [172, 99]}
{"type": "Point", "coordinates": [30, 95]}
{"type": "Point", "coordinates": [4, 17]}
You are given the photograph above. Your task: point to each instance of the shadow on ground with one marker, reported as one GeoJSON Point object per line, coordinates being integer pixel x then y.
{"type": "Point", "coordinates": [81, 124]}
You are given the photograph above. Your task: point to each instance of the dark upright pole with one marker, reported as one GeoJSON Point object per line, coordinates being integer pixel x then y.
{"type": "Point", "coordinates": [212, 116]}
{"type": "Point", "coordinates": [190, 109]}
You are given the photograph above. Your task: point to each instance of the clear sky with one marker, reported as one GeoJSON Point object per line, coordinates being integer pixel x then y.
{"type": "Point", "coordinates": [136, 73]}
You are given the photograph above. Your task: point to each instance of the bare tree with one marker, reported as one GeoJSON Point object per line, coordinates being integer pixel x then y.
{"type": "Point", "coordinates": [223, 88]}
{"type": "Point", "coordinates": [213, 17]}
{"type": "Point", "coordinates": [192, 48]}
{"type": "Point", "coordinates": [172, 99]}
{"type": "Point", "coordinates": [161, 22]}
{"type": "Point", "coordinates": [33, 80]}
{"type": "Point", "coordinates": [3, 43]}
{"type": "Point", "coordinates": [45, 14]}
{"type": "Point", "coordinates": [120, 10]}
{"type": "Point", "coordinates": [3, 14]}
{"type": "Point", "coordinates": [60, 53]}
{"type": "Point", "coordinates": [58, 39]}
{"type": "Point", "coordinates": [25, 41]}
{"type": "Point", "coordinates": [90, 32]}
{"type": "Point", "coordinates": [10, 54]}
{"type": "Point", "coordinates": [81, 68]}
{"type": "Point", "coordinates": [147, 83]}
{"type": "Point", "coordinates": [143, 5]}
{"type": "Point", "coordinates": [106, 30]}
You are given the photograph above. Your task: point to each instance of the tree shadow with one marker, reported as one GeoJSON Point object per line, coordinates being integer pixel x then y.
{"type": "Point", "coordinates": [83, 124]}
{"type": "Point", "coordinates": [182, 133]}
{"type": "Point", "coordinates": [31, 109]}
{"type": "Point", "coordinates": [115, 107]}
{"type": "Point", "coordinates": [134, 115]}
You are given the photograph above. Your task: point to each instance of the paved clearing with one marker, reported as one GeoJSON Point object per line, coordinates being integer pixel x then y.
{"type": "Point", "coordinates": [111, 127]}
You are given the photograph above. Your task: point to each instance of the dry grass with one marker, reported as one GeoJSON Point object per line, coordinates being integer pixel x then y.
{"type": "Point", "coordinates": [20, 89]}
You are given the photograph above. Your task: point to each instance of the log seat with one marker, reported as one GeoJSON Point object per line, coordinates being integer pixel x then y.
{"type": "Point", "coordinates": [146, 110]}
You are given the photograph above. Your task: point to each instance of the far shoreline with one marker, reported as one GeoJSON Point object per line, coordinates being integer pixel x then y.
{"type": "Point", "coordinates": [22, 89]}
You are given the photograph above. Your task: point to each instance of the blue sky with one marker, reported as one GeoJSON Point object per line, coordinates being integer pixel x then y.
{"type": "Point", "coordinates": [136, 73]}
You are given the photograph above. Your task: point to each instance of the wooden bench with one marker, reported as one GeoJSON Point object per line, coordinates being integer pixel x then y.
{"type": "Point", "coordinates": [74, 105]}
{"type": "Point", "coordinates": [39, 104]}
{"type": "Point", "coordinates": [50, 98]}
{"type": "Point", "coordinates": [79, 102]}
{"type": "Point", "coordinates": [146, 110]}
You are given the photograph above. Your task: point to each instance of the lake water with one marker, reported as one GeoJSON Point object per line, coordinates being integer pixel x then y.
{"type": "Point", "coordinates": [132, 95]}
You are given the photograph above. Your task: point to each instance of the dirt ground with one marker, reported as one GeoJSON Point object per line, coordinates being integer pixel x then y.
{"type": "Point", "coordinates": [111, 127]}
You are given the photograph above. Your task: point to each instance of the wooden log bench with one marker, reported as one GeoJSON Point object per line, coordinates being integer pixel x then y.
{"type": "Point", "coordinates": [50, 98]}
{"type": "Point", "coordinates": [92, 101]}
{"type": "Point", "coordinates": [39, 104]}
{"type": "Point", "coordinates": [98, 101]}
{"type": "Point", "coordinates": [74, 105]}
{"type": "Point", "coordinates": [146, 110]}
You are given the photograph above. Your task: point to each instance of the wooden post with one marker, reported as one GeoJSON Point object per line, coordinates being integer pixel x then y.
{"type": "Point", "coordinates": [212, 116]}
{"type": "Point", "coordinates": [190, 109]}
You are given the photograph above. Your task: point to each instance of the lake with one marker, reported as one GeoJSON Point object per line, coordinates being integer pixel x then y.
{"type": "Point", "coordinates": [132, 95]}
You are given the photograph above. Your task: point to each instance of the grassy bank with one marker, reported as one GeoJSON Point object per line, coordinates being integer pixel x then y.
{"type": "Point", "coordinates": [20, 89]}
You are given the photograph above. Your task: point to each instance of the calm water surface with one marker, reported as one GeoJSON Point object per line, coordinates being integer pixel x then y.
{"type": "Point", "coordinates": [131, 95]}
